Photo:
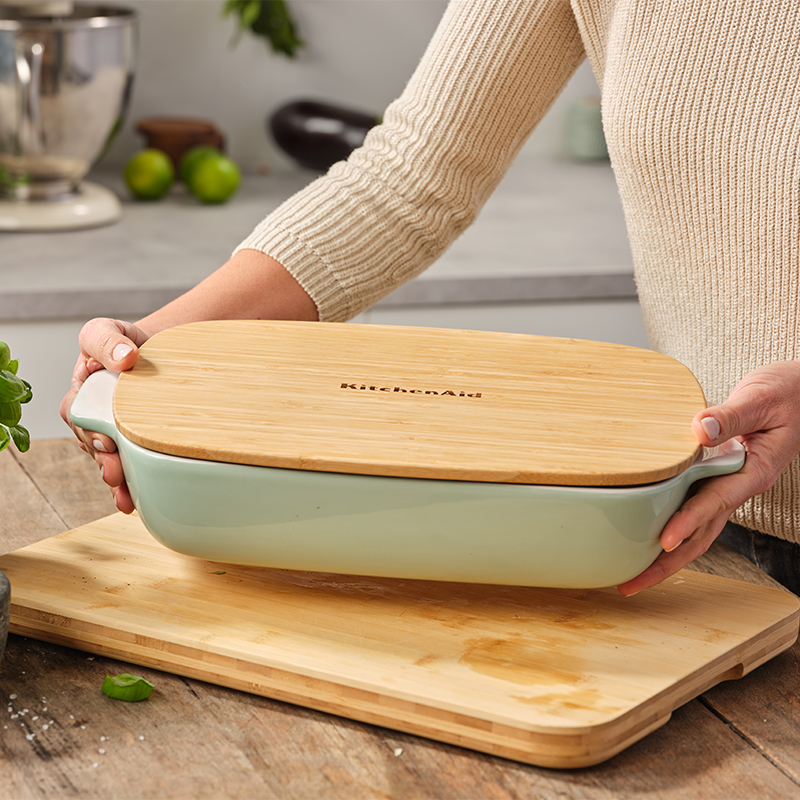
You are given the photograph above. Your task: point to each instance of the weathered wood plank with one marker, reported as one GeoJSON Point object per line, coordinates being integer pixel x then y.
{"type": "Point", "coordinates": [25, 514]}
{"type": "Point", "coordinates": [69, 479]}
{"type": "Point", "coordinates": [764, 707]}
{"type": "Point", "coordinates": [721, 560]}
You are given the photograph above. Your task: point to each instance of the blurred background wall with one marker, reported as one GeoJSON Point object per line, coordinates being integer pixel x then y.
{"type": "Point", "coordinates": [358, 53]}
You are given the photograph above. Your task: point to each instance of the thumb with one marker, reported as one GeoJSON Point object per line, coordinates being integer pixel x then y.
{"type": "Point", "coordinates": [112, 343]}
{"type": "Point", "coordinates": [747, 410]}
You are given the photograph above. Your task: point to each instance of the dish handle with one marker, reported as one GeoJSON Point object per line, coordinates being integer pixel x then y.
{"type": "Point", "coordinates": [93, 408]}
{"type": "Point", "coordinates": [723, 460]}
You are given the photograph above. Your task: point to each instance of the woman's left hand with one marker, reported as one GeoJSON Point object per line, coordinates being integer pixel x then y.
{"type": "Point", "coordinates": [762, 414]}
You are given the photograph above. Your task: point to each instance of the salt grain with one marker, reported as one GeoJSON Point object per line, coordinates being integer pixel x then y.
{"type": "Point", "coordinates": [12, 697]}
{"type": "Point", "coordinates": [101, 751]}
{"type": "Point", "coordinates": [398, 751]}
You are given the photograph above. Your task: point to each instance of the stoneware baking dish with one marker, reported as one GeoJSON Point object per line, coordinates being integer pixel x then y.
{"type": "Point", "coordinates": [405, 452]}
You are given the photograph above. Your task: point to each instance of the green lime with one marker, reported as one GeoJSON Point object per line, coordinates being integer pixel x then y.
{"type": "Point", "coordinates": [192, 157]}
{"type": "Point", "coordinates": [214, 180]}
{"type": "Point", "coordinates": [149, 174]}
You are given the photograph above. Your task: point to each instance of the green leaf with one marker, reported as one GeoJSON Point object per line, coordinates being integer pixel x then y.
{"type": "Point", "coordinates": [5, 355]}
{"type": "Point", "coordinates": [11, 387]}
{"type": "Point", "coordinates": [269, 19]}
{"type": "Point", "coordinates": [5, 437]}
{"type": "Point", "coordinates": [13, 366]}
{"type": "Point", "coordinates": [249, 13]}
{"type": "Point", "coordinates": [10, 413]}
{"type": "Point", "coordinates": [130, 688]}
{"type": "Point", "coordinates": [21, 437]}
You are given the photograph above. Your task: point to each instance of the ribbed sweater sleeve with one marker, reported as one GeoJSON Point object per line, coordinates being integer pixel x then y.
{"type": "Point", "coordinates": [377, 220]}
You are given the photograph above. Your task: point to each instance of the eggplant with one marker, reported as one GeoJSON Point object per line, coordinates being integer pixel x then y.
{"type": "Point", "coordinates": [317, 135]}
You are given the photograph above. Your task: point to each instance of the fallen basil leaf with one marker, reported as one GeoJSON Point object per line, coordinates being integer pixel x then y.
{"type": "Point", "coordinates": [130, 688]}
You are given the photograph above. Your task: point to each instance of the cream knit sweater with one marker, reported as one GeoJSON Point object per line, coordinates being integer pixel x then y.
{"type": "Point", "coordinates": [701, 107]}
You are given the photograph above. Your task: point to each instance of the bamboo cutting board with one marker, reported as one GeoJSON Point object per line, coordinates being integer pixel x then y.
{"type": "Point", "coordinates": [412, 402]}
{"type": "Point", "coordinates": [556, 678]}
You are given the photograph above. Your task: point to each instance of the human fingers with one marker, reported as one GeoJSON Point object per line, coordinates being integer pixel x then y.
{"type": "Point", "coordinates": [104, 343]}
{"type": "Point", "coordinates": [113, 343]}
{"type": "Point", "coordinates": [111, 472]}
{"type": "Point", "coordinates": [123, 500]}
{"type": "Point", "coordinates": [692, 529]}
{"type": "Point", "coordinates": [91, 442]}
{"type": "Point", "coordinates": [760, 413]}
{"type": "Point", "coordinates": [764, 400]}
{"type": "Point", "coordinates": [668, 563]}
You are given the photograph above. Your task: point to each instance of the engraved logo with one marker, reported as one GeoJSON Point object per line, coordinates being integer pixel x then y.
{"type": "Point", "coordinates": [363, 387]}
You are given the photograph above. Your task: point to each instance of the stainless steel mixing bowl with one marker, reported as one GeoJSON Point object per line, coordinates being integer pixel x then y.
{"type": "Point", "coordinates": [65, 82]}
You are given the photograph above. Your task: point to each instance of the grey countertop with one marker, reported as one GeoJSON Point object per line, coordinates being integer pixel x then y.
{"type": "Point", "coordinates": [552, 231]}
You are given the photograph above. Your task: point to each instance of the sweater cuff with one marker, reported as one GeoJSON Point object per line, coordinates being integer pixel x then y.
{"type": "Point", "coordinates": [307, 267]}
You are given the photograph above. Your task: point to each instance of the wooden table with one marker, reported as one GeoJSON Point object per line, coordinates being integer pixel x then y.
{"type": "Point", "coordinates": [195, 740]}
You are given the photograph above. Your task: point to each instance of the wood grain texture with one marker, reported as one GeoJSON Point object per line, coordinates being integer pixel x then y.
{"type": "Point", "coordinates": [554, 678]}
{"type": "Point", "coordinates": [197, 741]}
{"type": "Point", "coordinates": [26, 516]}
{"type": "Point", "coordinates": [200, 741]}
{"type": "Point", "coordinates": [414, 402]}
{"type": "Point", "coordinates": [70, 479]}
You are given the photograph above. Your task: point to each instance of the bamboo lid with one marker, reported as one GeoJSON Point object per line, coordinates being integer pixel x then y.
{"type": "Point", "coordinates": [412, 402]}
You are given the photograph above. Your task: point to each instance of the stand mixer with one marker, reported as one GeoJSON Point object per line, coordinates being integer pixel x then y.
{"type": "Point", "coordinates": [66, 74]}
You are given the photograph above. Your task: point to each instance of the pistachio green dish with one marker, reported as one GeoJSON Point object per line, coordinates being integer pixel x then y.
{"type": "Point", "coordinates": [549, 536]}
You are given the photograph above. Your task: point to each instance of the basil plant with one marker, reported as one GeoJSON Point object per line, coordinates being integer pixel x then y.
{"type": "Point", "coordinates": [14, 393]}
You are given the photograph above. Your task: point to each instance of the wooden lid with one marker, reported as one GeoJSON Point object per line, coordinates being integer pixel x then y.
{"type": "Point", "coordinates": [415, 402]}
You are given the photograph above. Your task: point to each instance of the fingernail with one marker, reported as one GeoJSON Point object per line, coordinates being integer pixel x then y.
{"type": "Point", "coordinates": [120, 351]}
{"type": "Point", "coordinates": [98, 445]}
{"type": "Point", "coordinates": [674, 547]}
{"type": "Point", "coordinates": [102, 473]}
{"type": "Point", "coordinates": [711, 427]}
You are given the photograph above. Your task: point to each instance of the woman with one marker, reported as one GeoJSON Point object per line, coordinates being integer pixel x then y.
{"type": "Point", "coordinates": [701, 105]}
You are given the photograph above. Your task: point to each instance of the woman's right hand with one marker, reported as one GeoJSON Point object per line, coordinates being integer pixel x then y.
{"type": "Point", "coordinates": [113, 345]}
